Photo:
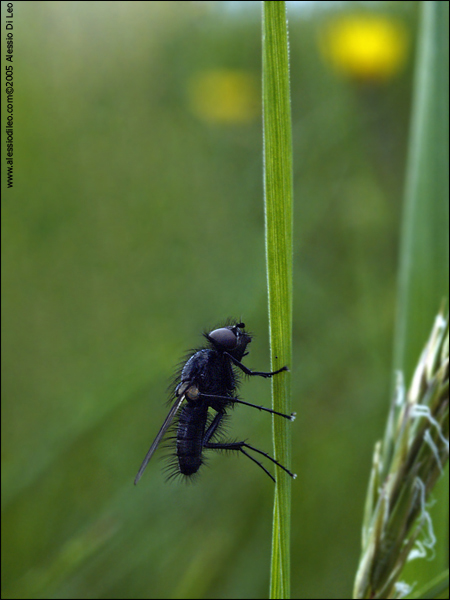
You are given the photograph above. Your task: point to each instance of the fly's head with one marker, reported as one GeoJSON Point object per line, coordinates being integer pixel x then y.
{"type": "Point", "coordinates": [232, 339]}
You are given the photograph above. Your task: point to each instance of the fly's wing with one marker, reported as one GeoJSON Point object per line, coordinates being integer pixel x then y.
{"type": "Point", "coordinates": [158, 438]}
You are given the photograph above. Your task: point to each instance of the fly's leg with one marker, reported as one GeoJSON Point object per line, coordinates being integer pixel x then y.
{"type": "Point", "coordinates": [239, 446]}
{"type": "Point", "coordinates": [228, 399]}
{"type": "Point", "coordinates": [248, 371]}
{"type": "Point", "coordinates": [212, 428]}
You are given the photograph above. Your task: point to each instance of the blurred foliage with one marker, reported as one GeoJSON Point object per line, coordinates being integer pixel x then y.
{"type": "Point", "coordinates": [424, 252]}
{"type": "Point", "coordinates": [368, 47]}
{"type": "Point", "coordinates": [133, 225]}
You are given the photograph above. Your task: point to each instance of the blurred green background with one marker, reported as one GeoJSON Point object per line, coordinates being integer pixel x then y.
{"type": "Point", "coordinates": [136, 222]}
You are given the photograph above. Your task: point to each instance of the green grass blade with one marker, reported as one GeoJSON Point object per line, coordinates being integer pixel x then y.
{"type": "Point", "coordinates": [424, 259]}
{"type": "Point", "coordinates": [437, 588]}
{"type": "Point", "coordinates": [279, 219]}
{"type": "Point", "coordinates": [398, 466]}
{"type": "Point", "coordinates": [424, 254]}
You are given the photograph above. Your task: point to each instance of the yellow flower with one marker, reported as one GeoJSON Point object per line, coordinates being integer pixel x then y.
{"type": "Point", "coordinates": [365, 47]}
{"type": "Point", "coordinates": [225, 96]}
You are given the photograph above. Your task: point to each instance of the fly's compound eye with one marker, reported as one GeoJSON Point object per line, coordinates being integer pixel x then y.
{"type": "Point", "coordinates": [224, 337]}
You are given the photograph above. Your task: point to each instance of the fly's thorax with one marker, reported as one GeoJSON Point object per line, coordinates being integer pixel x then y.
{"type": "Point", "coordinates": [209, 371]}
{"type": "Point", "coordinates": [197, 365]}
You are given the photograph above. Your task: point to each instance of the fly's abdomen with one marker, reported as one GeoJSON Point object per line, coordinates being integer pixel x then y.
{"type": "Point", "coordinates": [190, 433]}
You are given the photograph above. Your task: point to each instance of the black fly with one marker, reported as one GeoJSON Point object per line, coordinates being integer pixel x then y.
{"type": "Point", "coordinates": [209, 380]}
